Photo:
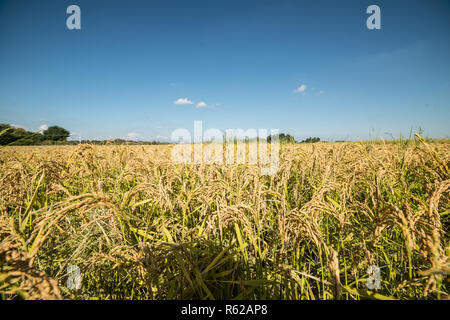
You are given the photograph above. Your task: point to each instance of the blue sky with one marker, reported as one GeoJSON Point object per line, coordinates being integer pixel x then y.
{"type": "Point", "coordinates": [120, 75]}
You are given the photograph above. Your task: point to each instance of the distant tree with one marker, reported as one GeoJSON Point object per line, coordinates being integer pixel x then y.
{"type": "Point", "coordinates": [310, 140]}
{"type": "Point", "coordinates": [6, 136]}
{"type": "Point", "coordinates": [283, 138]}
{"type": "Point", "coordinates": [17, 136]}
{"type": "Point", "coordinates": [55, 133]}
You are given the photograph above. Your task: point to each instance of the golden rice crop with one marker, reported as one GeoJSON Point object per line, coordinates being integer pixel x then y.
{"type": "Point", "coordinates": [141, 227]}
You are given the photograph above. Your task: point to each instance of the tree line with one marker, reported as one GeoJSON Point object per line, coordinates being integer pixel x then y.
{"type": "Point", "coordinates": [287, 138]}
{"type": "Point", "coordinates": [10, 135]}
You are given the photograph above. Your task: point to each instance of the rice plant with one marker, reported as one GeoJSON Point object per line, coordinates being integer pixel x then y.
{"type": "Point", "coordinates": [140, 227]}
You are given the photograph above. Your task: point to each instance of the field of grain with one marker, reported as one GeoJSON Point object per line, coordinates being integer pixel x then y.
{"type": "Point", "coordinates": [140, 227]}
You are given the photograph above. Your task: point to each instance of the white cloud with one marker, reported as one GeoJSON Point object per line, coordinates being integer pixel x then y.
{"type": "Point", "coordinates": [321, 92]}
{"type": "Point", "coordinates": [201, 104]}
{"type": "Point", "coordinates": [132, 135]}
{"type": "Point", "coordinates": [300, 89]}
{"type": "Point", "coordinates": [43, 127]}
{"type": "Point", "coordinates": [183, 101]}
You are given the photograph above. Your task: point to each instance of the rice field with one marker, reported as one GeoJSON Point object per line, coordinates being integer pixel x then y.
{"type": "Point", "coordinates": [140, 227]}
